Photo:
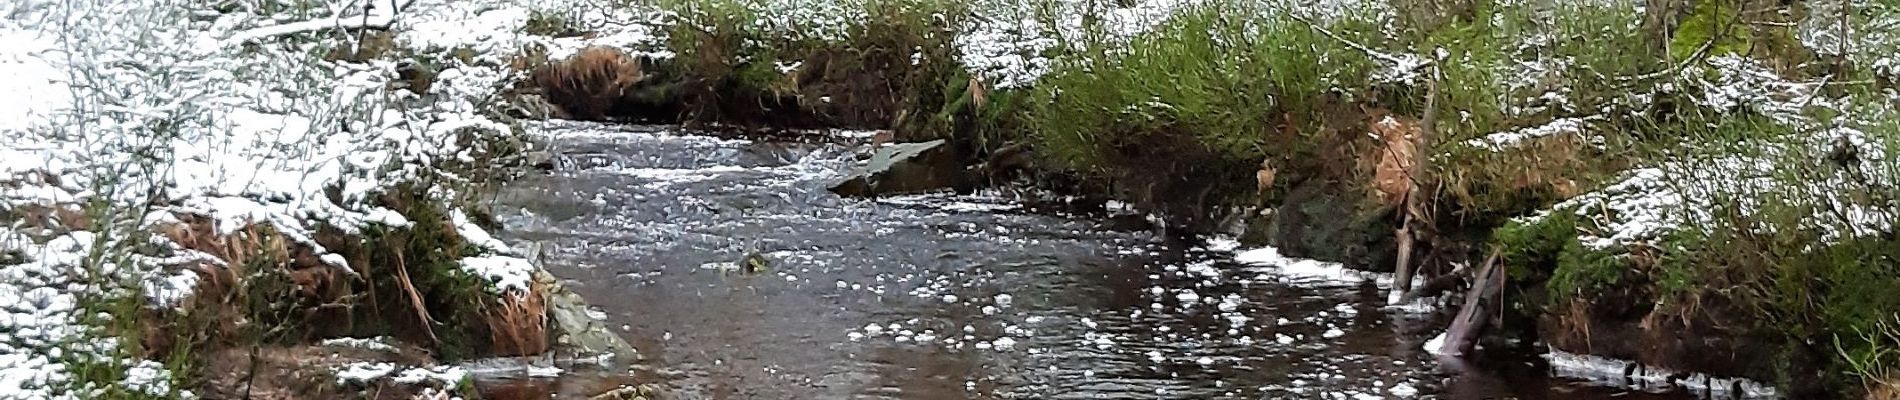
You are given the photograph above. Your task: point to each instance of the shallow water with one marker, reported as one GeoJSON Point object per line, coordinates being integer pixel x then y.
{"type": "Point", "coordinates": [939, 296]}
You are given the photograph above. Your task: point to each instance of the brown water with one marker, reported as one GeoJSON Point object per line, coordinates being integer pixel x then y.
{"type": "Point", "coordinates": [941, 297]}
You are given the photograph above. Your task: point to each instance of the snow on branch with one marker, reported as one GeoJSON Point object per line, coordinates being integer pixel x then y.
{"type": "Point", "coordinates": [352, 14]}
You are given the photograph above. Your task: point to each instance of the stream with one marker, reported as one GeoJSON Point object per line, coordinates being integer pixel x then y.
{"type": "Point", "coordinates": [941, 296]}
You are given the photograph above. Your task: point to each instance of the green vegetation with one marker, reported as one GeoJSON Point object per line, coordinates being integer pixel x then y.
{"type": "Point", "coordinates": [1238, 87]}
{"type": "Point", "coordinates": [1714, 24]}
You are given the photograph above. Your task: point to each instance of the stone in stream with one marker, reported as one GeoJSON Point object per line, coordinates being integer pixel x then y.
{"type": "Point", "coordinates": [575, 333]}
{"type": "Point", "coordinates": [541, 160]}
{"type": "Point", "coordinates": [900, 168]}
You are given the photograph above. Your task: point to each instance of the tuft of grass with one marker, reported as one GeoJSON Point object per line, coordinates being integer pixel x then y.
{"type": "Point", "coordinates": [1239, 86]}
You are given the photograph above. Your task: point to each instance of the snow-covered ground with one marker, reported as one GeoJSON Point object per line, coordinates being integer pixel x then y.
{"type": "Point", "coordinates": [159, 111]}
{"type": "Point", "coordinates": [1650, 202]}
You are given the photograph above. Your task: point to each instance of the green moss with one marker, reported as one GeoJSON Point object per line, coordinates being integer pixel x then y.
{"type": "Point", "coordinates": [1583, 272]}
{"type": "Point", "coordinates": [1547, 251]}
{"type": "Point", "coordinates": [1679, 274]}
{"type": "Point", "coordinates": [1713, 23]}
{"type": "Point", "coordinates": [1525, 246]}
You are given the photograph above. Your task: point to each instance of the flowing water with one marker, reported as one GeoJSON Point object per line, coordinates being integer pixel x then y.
{"type": "Point", "coordinates": [940, 296]}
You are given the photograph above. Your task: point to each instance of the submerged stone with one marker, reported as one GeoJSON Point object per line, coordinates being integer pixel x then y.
{"type": "Point", "coordinates": [575, 333]}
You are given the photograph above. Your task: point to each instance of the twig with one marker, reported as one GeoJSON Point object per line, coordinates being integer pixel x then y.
{"type": "Point", "coordinates": [1355, 45]}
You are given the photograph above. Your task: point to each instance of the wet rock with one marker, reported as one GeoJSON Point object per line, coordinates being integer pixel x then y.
{"type": "Point", "coordinates": [575, 333]}
{"type": "Point", "coordinates": [754, 263]}
{"type": "Point", "coordinates": [641, 392]}
{"type": "Point", "coordinates": [541, 160]}
{"type": "Point", "coordinates": [901, 168]}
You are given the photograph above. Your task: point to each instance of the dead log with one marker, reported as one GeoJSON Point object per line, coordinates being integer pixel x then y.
{"type": "Point", "coordinates": [1444, 283]}
{"type": "Point", "coordinates": [1407, 235]}
{"type": "Point", "coordinates": [1471, 319]}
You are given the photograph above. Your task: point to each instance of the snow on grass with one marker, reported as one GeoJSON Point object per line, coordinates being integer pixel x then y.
{"type": "Point", "coordinates": [35, 86]}
{"type": "Point", "coordinates": [41, 332]}
{"type": "Point", "coordinates": [1501, 141]}
{"type": "Point", "coordinates": [1871, 37]}
{"type": "Point", "coordinates": [1647, 203]}
{"type": "Point", "coordinates": [1742, 83]}
{"type": "Point", "coordinates": [491, 31]}
{"type": "Point", "coordinates": [230, 116]}
{"type": "Point", "coordinates": [508, 274]}
{"type": "Point", "coordinates": [1015, 44]}
{"type": "Point", "coordinates": [1009, 52]}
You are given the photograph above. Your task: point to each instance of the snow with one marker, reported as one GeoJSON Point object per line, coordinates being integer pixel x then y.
{"type": "Point", "coordinates": [1643, 377]}
{"type": "Point", "coordinates": [475, 235]}
{"type": "Point", "coordinates": [509, 274]}
{"type": "Point", "coordinates": [1645, 204]}
{"type": "Point", "coordinates": [1436, 345]}
{"type": "Point", "coordinates": [363, 372]}
{"type": "Point", "coordinates": [375, 344]}
{"type": "Point", "coordinates": [131, 103]}
{"type": "Point", "coordinates": [1511, 139]}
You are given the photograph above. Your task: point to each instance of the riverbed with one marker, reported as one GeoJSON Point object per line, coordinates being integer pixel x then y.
{"type": "Point", "coordinates": [738, 275]}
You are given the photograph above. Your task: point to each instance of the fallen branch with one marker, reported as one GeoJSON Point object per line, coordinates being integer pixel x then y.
{"type": "Point", "coordinates": [1445, 283]}
{"type": "Point", "coordinates": [1470, 322]}
{"type": "Point", "coordinates": [379, 15]}
{"type": "Point", "coordinates": [415, 297]}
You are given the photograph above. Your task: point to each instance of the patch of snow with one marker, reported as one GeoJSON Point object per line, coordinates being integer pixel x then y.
{"type": "Point", "coordinates": [1506, 140]}
{"type": "Point", "coordinates": [374, 344]}
{"type": "Point", "coordinates": [363, 372]}
{"type": "Point", "coordinates": [1615, 372]}
{"type": "Point", "coordinates": [476, 235]}
{"type": "Point", "coordinates": [508, 274]}
{"type": "Point", "coordinates": [1436, 344]}
{"type": "Point", "coordinates": [445, 376]}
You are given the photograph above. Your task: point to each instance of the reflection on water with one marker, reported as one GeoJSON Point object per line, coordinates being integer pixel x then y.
{"type": "Point", "coordinates": [928, 297]}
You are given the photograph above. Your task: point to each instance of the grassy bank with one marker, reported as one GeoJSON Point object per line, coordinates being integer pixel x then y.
{"type": "Point", "coordinates": [1642, 170]}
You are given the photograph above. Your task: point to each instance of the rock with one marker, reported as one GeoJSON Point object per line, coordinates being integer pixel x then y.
{"type": "Point", "coordinates": [754, 263]}
{"type": "Point", "coordinates": [576, 334]}
{"type": "Point", "coordinates": [907, 168]}
{"type": "Point", "coordinates": [541, 160]}
{"type": "Point", "coordinates": [641, 392]}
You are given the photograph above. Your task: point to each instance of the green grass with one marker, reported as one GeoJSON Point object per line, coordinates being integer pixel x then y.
{"type": "Point", "coordinates": [1218, 80]}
